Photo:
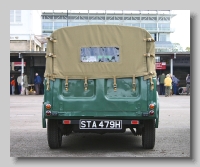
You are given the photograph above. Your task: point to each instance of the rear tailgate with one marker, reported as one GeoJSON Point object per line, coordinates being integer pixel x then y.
{"type": "Point", "coordinates": [100, 99]}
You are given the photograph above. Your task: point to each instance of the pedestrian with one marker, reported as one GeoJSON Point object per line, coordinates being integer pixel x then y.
{"type": "Point", "coordinates": [158, 85]}
{"type": "Point", "coordinates": [175, 82]}
{"type": "Point", "coordinates": [42, 86]}
{"type": "Point", "coordinates": [162, 87]}
{"type": "Point", "coordinates": [10, 85]}
{"type": "Point", "coordinates": [37, 83]}
{"type": "Point", "coordinates": [167, 83]}
{"type": "Point", "coordinates": [24, 85]}
{"type": "Point", "coordinates": [13, 84]}
{"type": "Point", "coordinates": [19, 80]}
{"type": "Point", "coordinates": [171, 92]}
{"type": "Point", "coordinates": [188, 84]}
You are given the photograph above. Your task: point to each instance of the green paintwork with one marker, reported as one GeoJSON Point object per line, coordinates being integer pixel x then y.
{"type": "Point", "coordinates": [100, 100]}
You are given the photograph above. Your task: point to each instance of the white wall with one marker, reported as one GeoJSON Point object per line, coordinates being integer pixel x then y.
{"type": "Point", "coordinates": [30, 24]}
{"type": "Point", "coordinates": [36, 22]}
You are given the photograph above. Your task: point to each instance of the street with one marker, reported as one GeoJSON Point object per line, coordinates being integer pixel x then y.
{"type": "Point", "coordinates": [29, 139]}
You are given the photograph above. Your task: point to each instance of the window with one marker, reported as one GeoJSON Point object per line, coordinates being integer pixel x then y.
{"type": "Point", "coordinates": [149, 26]}
{"type": "Point", "coordinates": [162, 37]}
{"type": "Point", "coordinates": [157, 59]}
{"type": "Point", "coordinates": [12, 16]}
{"type": "Point", "coordinates": [164, 26]}
{"type": "Point", "coordinates": [136, 24]}
{"type": "Point", "coordinates": [15, 16]}
{"type": "Point", "coordinates": [99, 54]}
{"type": "Point", "coordinates": [58, 25]}
{"type": "Point", "coordinates": [154, 36]}
{"type": "Point", "coordinates": [18, 15]}
{"type": "Point", "coordinates": [47, 25]}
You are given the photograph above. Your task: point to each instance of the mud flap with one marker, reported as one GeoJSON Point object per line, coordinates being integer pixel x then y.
{"type": "Point", "coordinates": [156, 125]}
{"type": "Point", "coordinates": [43, 119]}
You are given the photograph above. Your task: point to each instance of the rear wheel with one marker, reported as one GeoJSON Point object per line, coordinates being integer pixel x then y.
{"type": "Point", "coordinates": [54, 134]}
{"type": "Point", "coordinates": [148, 134]}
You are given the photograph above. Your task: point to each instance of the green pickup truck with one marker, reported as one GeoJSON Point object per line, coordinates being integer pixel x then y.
{"type": "Point", "coordinates": [100, 79]}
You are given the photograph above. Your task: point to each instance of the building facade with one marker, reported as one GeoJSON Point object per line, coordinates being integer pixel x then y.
{"type": "Point", "coordinates": [25, 26]}
{"type": "Point", "coordinates": [29, 29]}
{"type": "Point", "coordinates": [157, 23]}
{"type": "Point", "coordinates": [25, 35]}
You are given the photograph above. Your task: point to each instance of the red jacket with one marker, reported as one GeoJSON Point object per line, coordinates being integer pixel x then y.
{"type": "Point", "coordinates": [13, 82]}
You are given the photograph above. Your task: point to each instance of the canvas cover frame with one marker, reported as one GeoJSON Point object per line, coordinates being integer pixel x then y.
{"type": "Point", "coordinates": [136, 49]}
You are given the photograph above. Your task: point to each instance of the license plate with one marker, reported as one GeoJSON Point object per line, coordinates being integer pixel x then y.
{"type": "Point", "coordinates": [100, 124]}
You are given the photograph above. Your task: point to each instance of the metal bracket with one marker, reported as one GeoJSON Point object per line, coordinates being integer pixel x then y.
{"type": "Point", "coordinates": [114, 84]}
{"type": "Point", "coordinates": [134, 84]}
{"type": "Point", "coordinates": [85, 84]}
{"type": "Point", "coordinates": [66, 84]}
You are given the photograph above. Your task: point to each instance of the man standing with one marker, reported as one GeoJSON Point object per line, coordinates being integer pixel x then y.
{"type": "Point", "coordinates": [188, 84]}
{"type": "Point", "coordinates": [37, 82]}
{"type": "Point", "coordinates": [24, 85]}
{"type": "Point", "coordinates": [19, 80]}
{"type": "Point", "coordinates": [168, 84]}
{"type": "Point", "coordinates": [175, 82]}
{"type": "Point", "coordinates": [162, 87]}
{"type": "Point", "coordinates": [13, 84]}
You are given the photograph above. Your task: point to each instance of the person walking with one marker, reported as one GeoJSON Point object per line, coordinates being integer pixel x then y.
{"type": "Point", "coordinates": [10, 86]}
{"type": "Point", "coordinates": [171, 91]}
{"type": "Point", "coordinates": [19, 80]}
{"type": "Point", "coordinates": [175, 82]}
{"type": "Point", "coordinates": [13, 83]}
{"type": "Point", "coordinates": [167, 83]}
{"type": "Point", "coordinates": [37, 83]}
{"type": "Point", "coordinates": [162, 87]}
{"type": "Point", "coordinates": [188, 84]}
{"type": "Point", "coordinates": [158, 85]}
{"type": "Point", "coordinates": [24, 85]}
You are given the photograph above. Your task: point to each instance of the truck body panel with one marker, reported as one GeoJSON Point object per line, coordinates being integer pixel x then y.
{"type": "Point", "coordinates": [100, 79]}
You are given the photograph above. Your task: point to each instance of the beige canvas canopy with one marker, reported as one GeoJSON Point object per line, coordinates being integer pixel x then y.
{"type": "Point", "coordinates": [135, 45]}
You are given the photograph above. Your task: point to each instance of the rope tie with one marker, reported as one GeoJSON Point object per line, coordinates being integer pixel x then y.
{"type": "Point", "coordinates": [50, 55]}
{"type": "Point", "coordinates": [149, 55]}
{"type": "Point", "coordinates": [149, 40]}
{"type": "Point", "coordinates": [51, 39]}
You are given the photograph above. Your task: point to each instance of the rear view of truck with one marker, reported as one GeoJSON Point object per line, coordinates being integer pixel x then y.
{"type": "Point", "coordinates": [100, 79]}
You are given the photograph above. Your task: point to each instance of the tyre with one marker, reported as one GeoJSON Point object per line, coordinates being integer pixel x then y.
{"type": "Point", "coordinates": [54, 135]}
{"type": "Point", "coordinates": [180, 91]}
{"type": "Point", "coordinates": [148, 134]}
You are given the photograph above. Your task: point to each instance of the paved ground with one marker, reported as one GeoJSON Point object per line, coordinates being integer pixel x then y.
{"type": "Point", "coordinates": [29, 139]}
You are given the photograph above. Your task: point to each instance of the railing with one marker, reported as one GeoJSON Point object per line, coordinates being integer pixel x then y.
{"type": "Point", "coordinates": [169, 50]}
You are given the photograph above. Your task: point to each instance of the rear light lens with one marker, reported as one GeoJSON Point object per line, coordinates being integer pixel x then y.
{"type": "Point", "coordinates": [48, 113]}
{"type": "Point", "coordinates": [151, 112]}
{"type": "Point", "coordinates": [151, 106]}
{"type": "Point", "coordinates": [134, 122]}
{"type": "Point", "coordinates": [67, 122]}
{"type": "Point", "coordinates": [48, 106]}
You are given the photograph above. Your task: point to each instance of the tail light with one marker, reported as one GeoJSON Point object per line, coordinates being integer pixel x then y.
{"type": "Point", "coordinates": [48, 106]}
{"type": "Point", "coordinates": [48, 113]}
{"type": "Point", "coordinates": [151, 106]}
{"type": "Point", "coordinates": [151, 112]}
